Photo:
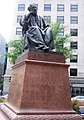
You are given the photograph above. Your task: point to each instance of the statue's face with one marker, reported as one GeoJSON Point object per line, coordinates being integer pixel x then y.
{"type": "Point", "coordinates": [33, 9]}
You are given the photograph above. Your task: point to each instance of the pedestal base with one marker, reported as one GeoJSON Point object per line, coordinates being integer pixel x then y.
{"type": "Point", "coordinates": [59, 115]}
{"type": "Point", "coordinates": [39, 89]}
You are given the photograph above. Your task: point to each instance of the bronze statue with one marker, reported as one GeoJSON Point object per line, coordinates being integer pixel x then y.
{"type": "Point", "coordinates": [36, 34]}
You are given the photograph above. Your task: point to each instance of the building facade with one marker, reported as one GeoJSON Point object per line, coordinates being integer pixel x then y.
{"type": "Point", "coordinates": [2, 51]}
{"type": "Point", "coordinates": [70, 14]}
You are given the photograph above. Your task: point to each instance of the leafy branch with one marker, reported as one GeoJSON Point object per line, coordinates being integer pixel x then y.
{"type": "Point", "coordinates": [15, 49]}
{"type": "Point", "coordinates": [60, 40]}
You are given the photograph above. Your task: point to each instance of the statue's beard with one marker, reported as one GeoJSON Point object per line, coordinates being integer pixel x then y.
{"type": "Point", "coordinates": [33, 13]}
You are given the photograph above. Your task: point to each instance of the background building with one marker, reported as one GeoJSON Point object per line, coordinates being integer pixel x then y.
{"type": "Point", "coordinates": [70, 14]}
{"type": "Point", "coordinates": [2, 50]}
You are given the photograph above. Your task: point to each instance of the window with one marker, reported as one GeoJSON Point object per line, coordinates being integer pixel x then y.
{"type": "Point", "coordinates": [73, 45]}
{"type": "Point", "coordinates": [60, 7]}
{"type": "Point", "coordinates": [47, 7]}
{"type": "Point", "coordinates": [73, 72]}
{"type": "Point", "coordinates": [61, 33]}
{"type": "Point", "coordinates": [47, 19]}
{"type": "Point", "coordinates": [18, 31]}
{"type": "Point", "coordinates": [74, 19]}
{"type": "Point", "coordinates": [74, 8]}
{"type": "Point", "coordinates": [21, 7]}
{"type": "Point", "coordinates": [74, 59]}
{"type": "Point", "coordinates": [60, 19]}
{"type": "Point", "coordinates": [19, 17]}
{"type": "Point", "coordinates": [74, 32]}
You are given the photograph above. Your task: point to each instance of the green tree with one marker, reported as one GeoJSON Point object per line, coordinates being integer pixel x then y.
{"type": "Point", "coordinates": [60, 40]}
{"type": "Point", "coordinates": [15, 49]}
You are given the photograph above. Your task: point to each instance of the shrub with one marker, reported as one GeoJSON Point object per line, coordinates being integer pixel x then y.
{"type": "Point", "coordinates": [75, 105]}
{"type": "Point", "coordinates": [1, 100]}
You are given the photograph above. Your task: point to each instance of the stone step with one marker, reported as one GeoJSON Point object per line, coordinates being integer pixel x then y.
{"type": "Point", "coordinates": [3, 116]}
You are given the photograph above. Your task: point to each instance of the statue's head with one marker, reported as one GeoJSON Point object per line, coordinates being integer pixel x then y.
{"type": "Point", "coordinates": [32, 8]}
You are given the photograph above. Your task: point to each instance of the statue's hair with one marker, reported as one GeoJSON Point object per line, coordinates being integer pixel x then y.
{"type": "Point", "coordinates": [31, 5]}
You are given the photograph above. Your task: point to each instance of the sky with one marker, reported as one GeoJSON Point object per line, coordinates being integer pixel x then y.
{"type": "Point", "coordinates": [6, 17]}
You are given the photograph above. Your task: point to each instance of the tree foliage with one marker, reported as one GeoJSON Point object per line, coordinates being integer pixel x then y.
{"type": "Point", "coordinates": [60, 40]}
{"type": "Point", "coordinates": [15, 49]}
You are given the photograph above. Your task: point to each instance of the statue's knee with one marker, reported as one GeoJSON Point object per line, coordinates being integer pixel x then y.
{"type": "Point", "coordinates": [49, 31]}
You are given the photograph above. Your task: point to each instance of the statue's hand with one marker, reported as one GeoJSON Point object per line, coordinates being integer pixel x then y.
{"type": "Point", "coordinates": [47, 25]}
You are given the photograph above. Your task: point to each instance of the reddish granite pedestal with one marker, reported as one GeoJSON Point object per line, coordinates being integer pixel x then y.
{"type": "Point", "coordinates": [39, 89]}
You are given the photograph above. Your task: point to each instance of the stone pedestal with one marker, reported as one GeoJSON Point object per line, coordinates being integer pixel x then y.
{"type": "Point", "coordinates": [39, 89]}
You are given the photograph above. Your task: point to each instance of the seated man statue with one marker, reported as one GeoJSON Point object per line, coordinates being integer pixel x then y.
{"type": "Point", "coordinates": [36, 34]}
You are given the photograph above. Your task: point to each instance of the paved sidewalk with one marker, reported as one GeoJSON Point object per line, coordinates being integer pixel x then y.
{"type": "Point", "coordinates": [2, 116]}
